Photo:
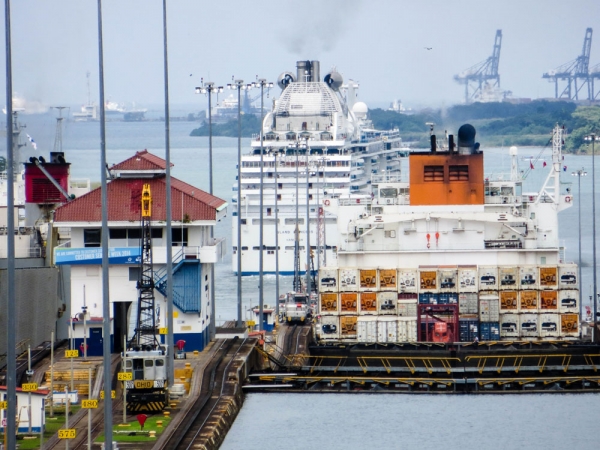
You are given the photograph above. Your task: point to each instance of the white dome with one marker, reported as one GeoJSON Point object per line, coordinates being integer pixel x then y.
{"type": "Point", "coordinates": [360, 110]}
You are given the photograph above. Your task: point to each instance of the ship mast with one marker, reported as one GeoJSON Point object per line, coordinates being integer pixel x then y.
{"type": "Point", "coordinates": [551, 187]}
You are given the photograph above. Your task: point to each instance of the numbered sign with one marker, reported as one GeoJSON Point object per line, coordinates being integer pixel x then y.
{"type": "Point", "coordinates": [89, 404]}
{"type": "Point", "coordinates": [4, 405]}
{"type": "Point", "coordinates": [71, 353]}
{"type": "Point", "coordinates": [125, 376]}
{"type": "Point", "coordinates": [143, 384]}
{"type": "Point", "coordinates": [28, 387]}
{"type": "Point", "coordinates": [68, 433]}
{"type": "Point", "coordinates": [163, 330]}
{"type": "Point", "coordinates": [113, 394]}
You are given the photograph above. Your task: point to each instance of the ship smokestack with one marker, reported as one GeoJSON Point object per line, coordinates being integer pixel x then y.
{"type": "Point", "coordinates": [433, 140]}
{"type": "Point", "coordinates": [466, 139]}
{"type": "Point", "coordinates": [307, 71]}
{"type": "Point", "coordinates": [451, 145]}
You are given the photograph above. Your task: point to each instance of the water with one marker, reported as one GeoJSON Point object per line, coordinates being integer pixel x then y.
{"type": "Point", "coordinates": [332, 421]}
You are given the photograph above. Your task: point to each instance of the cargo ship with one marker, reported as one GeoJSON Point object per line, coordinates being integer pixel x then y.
{"type": "Point", "coordinates": [317, 143]}
{"type": "Point", "coordinates": [450, 256]}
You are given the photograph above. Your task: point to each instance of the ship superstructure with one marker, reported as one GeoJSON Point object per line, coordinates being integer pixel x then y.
{"type": "Point", "coordinates": [317, 145]}
{"type": "Point", "coordinates": [449, 255]}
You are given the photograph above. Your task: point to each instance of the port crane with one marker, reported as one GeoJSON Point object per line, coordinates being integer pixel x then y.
{"type": "Point", "coordinates": [595, 75]}
{"type": "Point", "coordinates": [575, 70]}
{"type": "Point", "coordinates": [482, 73]}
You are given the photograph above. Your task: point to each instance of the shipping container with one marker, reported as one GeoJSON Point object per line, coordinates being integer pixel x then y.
{"type": "Point", "coordinates": [348, 327]}
{"type": "Point", "coordinates": [428, 280]}
{"type": "Point", "coordinates": [407, 280]}
{"type": "Point", "coordinates": [348, 302]}
{"type": "Point", "coordinates": [568, 276]}
{"type": "Point", "coordinates": [328, 279]}
{"type": "Point", "coordinates": [407, 329]}
{"type": "Point", "coordinates": [508, 301]}
{"type": "Point", "coordinates": [467, 279]}
{"type": "Point", "coordinates": [407, 296]}
{"type": "Point", "coordinates": [529, 301]}
{"type": "Point", "coordinates": [366, 329]}
{"type": "Point", "coordinates": [438, 323]}
{"type": "Point", "coordinates": [428, 298]}
{"type": "Point", "coordinates": [387, 329]}
{"type": "Point", "coordinates": [548, 277]}
{"type": "Point", "coordinates": [548, 301]}
{"type": "Point", "coordinates": [329, 304]}
{"type": "Point", "coordinates": [529, 327]}
{"type": "Point", "coordinates": [509, 326]}
{"type": "Point", "coordinates": [508, 276]}
{"type": "Point", "coordinates": [549, 325]}
{"type": "Point", "coordinates": [387, 303]}
{"type": "Point", "coordinates": [407, 308]}
{"type": "Point", "coordinates": [488, 278]}
{"type": "Point", "coordinates": [528, 278]}
{"type": "Point", "coordinates": [368, 279]}
{"type": "Point", "coordinates": [388, 280]}
{"type": "Point", "coordinates": [368, 303]}
{"type": "Point", "coordinates": [468, 329]}
{"type": "Point", "coordinates": [489, 331]}
{"type": "Point", "coordinates": [348, 279]}
{"type": "Point", "coordinates": [568, 301]}
{"type": "Point", "coordinates": [569, 325]}
{"type": "Point", "coordinates": [447, 298]}
{"type": "Point", "coordinates": [328, 327]}
{"type": "Point", "coordinates": [448, 279]}
{"type": "Point", "coordinates": [468, 303]}
{"type": "Point", "coordinates": [489, 308]}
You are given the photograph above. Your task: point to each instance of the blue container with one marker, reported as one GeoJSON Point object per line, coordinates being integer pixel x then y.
{"type": "Point", "coordinates": [489, 331]}
{"type": "Point", "coordinates": [448, 298]}
{"type": "Point", "coordinates": [468, 330]}
{"type": "Point", "coordinates": [428, 299]}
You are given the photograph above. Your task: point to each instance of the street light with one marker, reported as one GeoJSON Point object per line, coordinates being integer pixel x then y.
{"type": "Point", "coordinates": [239, 86]}
{"type": "Point", "coordinates": [209, 88]}
{"type": "Point", "coordinates": [592, 137]}
{"type": "Point", "coordinates": [579, 173]}
{"type": "Point", "coordinates": [262, 83]}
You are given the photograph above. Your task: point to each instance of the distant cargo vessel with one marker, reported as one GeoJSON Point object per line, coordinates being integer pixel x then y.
{"type": "Point", "coordinates": [312, 125]}
{"type": "Point", "coordinates": [451, 256]}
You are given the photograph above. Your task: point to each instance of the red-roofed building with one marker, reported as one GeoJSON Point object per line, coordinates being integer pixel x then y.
{"type": "Point", "coordinates": [193, 213]}
{"type": "Point", "coordinates": [38, 400]}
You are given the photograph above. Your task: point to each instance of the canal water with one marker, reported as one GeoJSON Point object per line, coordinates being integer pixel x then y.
{"type": "Point", "coordinates": [327, 421]}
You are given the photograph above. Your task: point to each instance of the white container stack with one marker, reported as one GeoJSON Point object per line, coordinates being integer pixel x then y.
{"type": "Point", "coordinates": [408, 280]}
{"type": "Point", "coordinates": [509, 326]}
{"type": "Point", "coordinates": [328, 279]}
{"type": "Point", "coordinates": [367, 329]}
{"type": "Point", "coordinates": [348, 279]}
{"type": "Point", "coordinates": [467, 279]}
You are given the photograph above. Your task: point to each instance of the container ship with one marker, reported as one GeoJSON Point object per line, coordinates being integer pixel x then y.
{"type": "Point", "coordinates": [450, 255]}
{"type": "Point", "coordinates": [317, 143]}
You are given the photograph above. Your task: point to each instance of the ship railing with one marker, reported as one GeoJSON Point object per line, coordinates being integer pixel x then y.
{"type": "Point", "coordinates": [355, 201]}
{"type": "Point", "coordinates": [503, 243]}
{"type": "Point", "coordinates": [503, 199]}
{"type": "Point", "coordinates": [386, 178]}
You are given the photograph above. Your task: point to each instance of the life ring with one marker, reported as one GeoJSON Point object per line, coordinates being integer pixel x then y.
{"type": "Point", "coordinates": [326, 202]}
{"type": "Point", "coordinates": [568, 199]}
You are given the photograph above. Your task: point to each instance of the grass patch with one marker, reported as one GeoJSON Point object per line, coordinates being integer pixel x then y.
{"type": "Point", "coordinates": [123, 434]}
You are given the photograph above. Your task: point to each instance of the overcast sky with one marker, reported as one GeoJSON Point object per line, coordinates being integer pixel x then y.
{"type": "Point", "coordinates": [380, 43]}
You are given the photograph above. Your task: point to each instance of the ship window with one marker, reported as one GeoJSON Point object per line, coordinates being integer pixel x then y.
{"type": "Point", "coordinates": [293, 221]}
{"type": "Point", "coordinates": [92, 237]}
{"type": "Point", "coordinates": [458, 173]}
{"type": "Point", "coordinates": [433, 173]}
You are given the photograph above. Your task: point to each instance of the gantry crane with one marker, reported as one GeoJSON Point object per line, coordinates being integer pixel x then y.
{"type": "Point", "coordinates": [482, 73]}
{"type": "Point", "coordinates": [571, 72]}
{"type": "Point", "coordinates": [595, 75]}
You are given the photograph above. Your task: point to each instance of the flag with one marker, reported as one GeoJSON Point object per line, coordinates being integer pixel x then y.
{"type": "Point", "coordinates": [33, 144]}
{"type": "Point", "coordinates": [531, 165]}
{"type": "Point", "coordinates": [544, 163]}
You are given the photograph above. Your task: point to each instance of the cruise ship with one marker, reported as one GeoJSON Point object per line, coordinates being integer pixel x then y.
{"type": "Point", "coordinates": [317, 145]}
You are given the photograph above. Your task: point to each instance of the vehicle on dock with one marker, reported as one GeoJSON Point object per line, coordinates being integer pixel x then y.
{"type": "Point", "coordinates": [297, 307]}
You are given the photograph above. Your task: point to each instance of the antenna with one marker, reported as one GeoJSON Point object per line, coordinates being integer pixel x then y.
{"type": "Point", "coordinates": [58, 135]}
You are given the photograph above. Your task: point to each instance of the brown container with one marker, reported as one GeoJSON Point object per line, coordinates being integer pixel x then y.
{"type": "Point", "coordinates": [528, 301]}
{"type": "Point", "coordinates": [428, 280]}
{"type": "Point", "coordinates": [548, 300]}
{"type": "Point", "coordinates": [368, 279]}
{"type": "Point", "coordinates": [569, 324]}
{"type": "Point", "coordinates": [329, 302]}
{"type": "Point", "coordinates": [387, 279]}
{"type": "Point", "coordinates": [508, 301]}
{"type": "Point", "coordinates": [548, 276]}
{"type": "Point", "coordinates": [349, 302]}
{"type": "Point", "coordinates": [348, 325]}
{"type": "Point", "coordinates": [368, 302]}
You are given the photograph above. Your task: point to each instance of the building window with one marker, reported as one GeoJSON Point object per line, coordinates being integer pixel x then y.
{"type": "Point", "coordinates": [433, 173]}
{"type": "Point", "coordinates": [134, 273]}
{"type": "Point", "coordinates": [117, 233]}
{"type": "Point", "coordinates": [458, 173]}
{"type": "Point", "coordinates": [156, 233]}
{"type": "Point", "coordinates": [92, 237]}
{"type": "Point", "coordinates": [179, 236]}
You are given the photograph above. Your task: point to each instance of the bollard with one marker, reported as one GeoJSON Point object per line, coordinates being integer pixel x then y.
{"type": "Point", "coordinates": [159, 423]}
{"type": "Point", "coordinates": [196, 353]}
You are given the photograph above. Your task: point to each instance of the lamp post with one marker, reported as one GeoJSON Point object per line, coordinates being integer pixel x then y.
{"type": "Point", "coordinates": [579, 173]}
{"type": "Point", "coordinates": [308, 272]}
{"type": "Point", "coordinates": [592, 137]}
{"type": "Point", "coordinates": [239, 86]}
{"type": "Point", "coordinates": [262, 83]}
{"type": "Point", "coordinates": [209, 88]}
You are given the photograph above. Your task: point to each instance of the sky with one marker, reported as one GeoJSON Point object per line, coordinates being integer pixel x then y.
{"type": "Point", "coordinates": [382, 44]}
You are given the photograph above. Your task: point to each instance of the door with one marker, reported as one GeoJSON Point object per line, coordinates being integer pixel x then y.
{"type": "Point", "coordinates": [95, 342]}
